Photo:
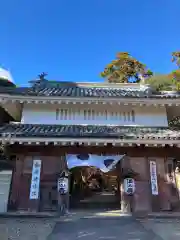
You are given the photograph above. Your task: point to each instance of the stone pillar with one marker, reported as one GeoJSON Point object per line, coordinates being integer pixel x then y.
{"type": "Point", "coordinates": [126, 201]}
{"type": "Point", "coordinates": [141, 198]}
{"type": "Point", "coordinates": [163, 188]}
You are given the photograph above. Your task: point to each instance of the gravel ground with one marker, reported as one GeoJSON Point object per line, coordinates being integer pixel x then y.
{"type": "Point", "coordinates": [25, 229]}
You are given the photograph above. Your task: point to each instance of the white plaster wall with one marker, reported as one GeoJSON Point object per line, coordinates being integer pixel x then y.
{"type": "Point", "coordinates": [14, 109]}
{"type": "Point", "coordinates": [173, 111]}
{"type": "Point", "coordinates": [46, 114]}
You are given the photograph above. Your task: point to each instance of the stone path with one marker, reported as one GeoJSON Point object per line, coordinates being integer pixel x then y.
{"type": "Point", "coordinates": [124, 228]}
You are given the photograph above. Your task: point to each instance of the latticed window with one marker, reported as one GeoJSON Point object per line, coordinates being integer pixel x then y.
{"type": "Point", "coordinates": [129, 116]}
{"type": "Point", "coordinates": [133, 116]}
{"type": "Point", "coordinates": [91, 114]}
{"type": "Point", "coordinates": [124, 115]}
{"type": "Point", "coordinates": [70, 114]}
{"type": "Point", "coordinates": [65, 114]}
{"type": "Point", "coordinates": [117, 116]}
{"type": "Point", "coordinates": [57, 114]}
{"type": "Point", "coordinates": [61, 114]}
{"type": "Point", "coordinates": [106, 115]}
{"type": "Point", "coordinates": [85, 114]}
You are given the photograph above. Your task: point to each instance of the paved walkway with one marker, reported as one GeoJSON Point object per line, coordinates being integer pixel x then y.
{"type": "Point", "coordinates": [102, 227]}
{"type": "Point", "coordinates": [81, 225]}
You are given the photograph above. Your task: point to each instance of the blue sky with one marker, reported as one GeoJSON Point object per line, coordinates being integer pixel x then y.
{"type": "Point", "coordinates": [74, 40]}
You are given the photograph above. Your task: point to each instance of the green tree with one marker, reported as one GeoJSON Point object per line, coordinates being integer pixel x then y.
{"type": "Point", "coordinates": [160, 82]}
{"type": "Point", "coordinates": [176, 74]}
{"type": "Point", "coordinates": [176, 58]}
{"type": "Point", "coordinates": [125, 67]}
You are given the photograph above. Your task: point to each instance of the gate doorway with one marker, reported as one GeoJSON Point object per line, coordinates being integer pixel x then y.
{"type": "Point", "coordinates": [91, 188]}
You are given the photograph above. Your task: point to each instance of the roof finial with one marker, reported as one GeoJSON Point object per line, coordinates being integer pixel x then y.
{"type": "Point", "coordinates": [39, 81]}
{"type": "Point", "coordinates": [42, 76]}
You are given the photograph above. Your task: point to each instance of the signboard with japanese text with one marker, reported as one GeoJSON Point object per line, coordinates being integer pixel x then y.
{"type": "Point", "coordinates": [153, 175]}
{"type": "Point", "coordinates": [63, 184]}
{"type": "Point", "coordinates": [35, 180]}
{"type": "Point", "coordinates": [129, 186]}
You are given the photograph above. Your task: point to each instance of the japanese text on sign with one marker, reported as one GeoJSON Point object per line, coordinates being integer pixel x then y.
{"type": "Point", "coordinates": [129, 186]}
{"type": "Point", "coordinates": [154, 184]}
{"type": "Point", "coordinates": [35, 180]}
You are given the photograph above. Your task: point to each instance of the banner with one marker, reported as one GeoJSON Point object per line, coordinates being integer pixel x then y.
{"type": "Point", "coordinates": [35, 180]}
{"type": "Point", "coordinates": [104, 163]}
{"type": "Point", "coordinates": [153, 174]}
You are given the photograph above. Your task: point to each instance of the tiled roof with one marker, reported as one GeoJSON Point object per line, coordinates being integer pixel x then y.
{"type": "Point", "coordinates": [75, 91]}
{"type": "Point", "coordinates": [84, 131]}
{"type": "Point", "coordinates": [86, 92]}
{"type": "Point", "coordinates": [45, 88]}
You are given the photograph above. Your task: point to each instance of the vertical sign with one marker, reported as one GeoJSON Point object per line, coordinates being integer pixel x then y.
{"type": "Point", "coordinates": [153, 174]}
{"type": "Point", "coordinates": [35, 180]}
{"type": "Point", "coordinates": [129, 186]}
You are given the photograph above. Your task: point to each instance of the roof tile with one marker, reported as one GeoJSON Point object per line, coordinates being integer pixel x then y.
{"type": "Point", "coordinates": [45, 88]}
{"type": "Point", "coordinates": [74, 91]}
{"type": "Point", "coordinates": [93, 131]}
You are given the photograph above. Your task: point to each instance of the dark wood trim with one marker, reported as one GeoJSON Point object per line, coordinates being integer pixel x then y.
{"type": "Point", "coordinates": [130, 151]}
